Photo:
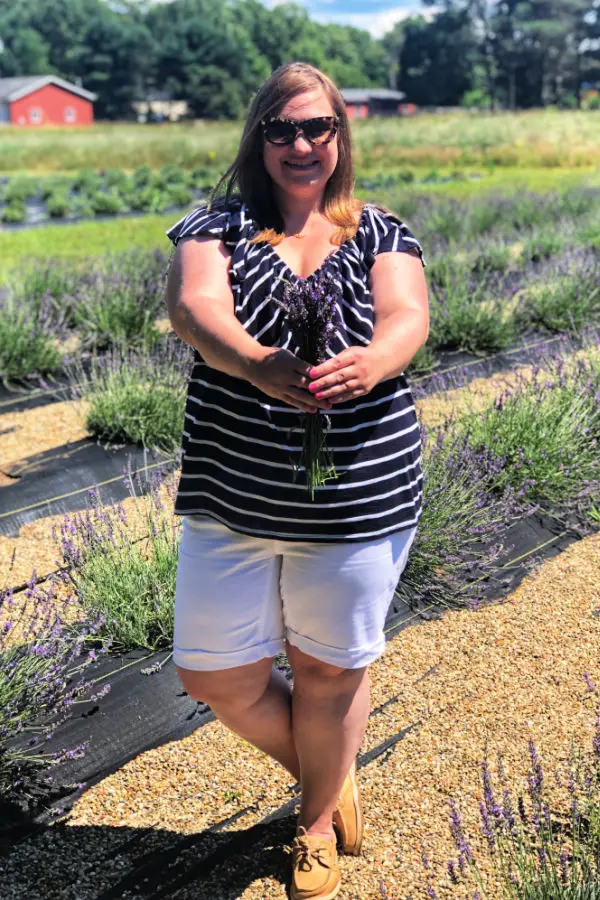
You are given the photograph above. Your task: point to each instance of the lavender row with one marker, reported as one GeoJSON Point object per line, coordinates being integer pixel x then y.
{"type": "Point", "coordinates": [111, 303]}
{"type": "Point", "coordinates": [499, 268]}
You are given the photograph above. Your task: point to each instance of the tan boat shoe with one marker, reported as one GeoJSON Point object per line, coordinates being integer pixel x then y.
{"type": "Point", "coordinates": [316, 873]}
{"type": "Point", "coordinates": [348, 816]}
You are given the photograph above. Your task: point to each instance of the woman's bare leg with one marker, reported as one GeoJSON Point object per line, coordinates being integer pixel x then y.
{"type": "Point", "coordinates": [254, 701]}
{"type": "Point", "coordinates": [330, 709]}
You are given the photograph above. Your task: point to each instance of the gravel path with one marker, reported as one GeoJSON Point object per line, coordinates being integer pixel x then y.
{"type": "Point", "coordinates": [38, 430]}
{"type": "Point", "coordinates": [503, 673]}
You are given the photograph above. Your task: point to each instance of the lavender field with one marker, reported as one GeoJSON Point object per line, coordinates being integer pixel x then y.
{"type": "Point", "coordinates": [502, 579]}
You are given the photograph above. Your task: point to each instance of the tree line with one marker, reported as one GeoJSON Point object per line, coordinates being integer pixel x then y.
{"type": "Point", "coordinates": [214, 53]}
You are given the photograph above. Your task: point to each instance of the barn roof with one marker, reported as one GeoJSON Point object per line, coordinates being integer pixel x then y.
{"type": "Point", "coordinates": [12, 89]}
{"type": "Point", "coordinates": [363, 95]}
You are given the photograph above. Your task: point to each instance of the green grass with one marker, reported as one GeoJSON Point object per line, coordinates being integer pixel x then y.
{"type": "Point", "coordinates": [83, 240]}
{"type": "Point", "coordinates": [536, 138]}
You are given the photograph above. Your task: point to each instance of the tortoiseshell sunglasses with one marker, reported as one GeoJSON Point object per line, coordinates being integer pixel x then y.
{"type": "Point", "coordinates": [317, 131]}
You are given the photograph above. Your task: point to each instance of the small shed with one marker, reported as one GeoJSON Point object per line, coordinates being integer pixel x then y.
{"type": "Point", "coordinates": [161, 107]}
{"type": "Point", "coordinates": [362, 103]}
{"type": "Point", "coordinates": [44, 100]}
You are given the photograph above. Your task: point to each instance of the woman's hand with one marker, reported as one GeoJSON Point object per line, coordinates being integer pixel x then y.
{"type": "Point", "coordinates": [280, 374]}
{"type": "Point", "coordinates": [352, 373]}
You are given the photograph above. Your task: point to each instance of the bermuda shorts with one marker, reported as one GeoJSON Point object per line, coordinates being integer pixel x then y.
{"type": "Point", "coordinates": [238, 597]}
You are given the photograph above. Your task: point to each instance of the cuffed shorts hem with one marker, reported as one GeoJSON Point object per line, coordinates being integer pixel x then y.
{"type": "Point", "coordinates": [209, 661]}
{"type": "Point", "coordinates": [354, 658]}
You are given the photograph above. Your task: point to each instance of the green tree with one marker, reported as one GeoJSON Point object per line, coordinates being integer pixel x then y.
{"type": "Point", "coordinates": [118, 64]}
{"type": "Point", "coordinates": [437, 58]}
{"type": "Point", "coordinates": [25, 53]}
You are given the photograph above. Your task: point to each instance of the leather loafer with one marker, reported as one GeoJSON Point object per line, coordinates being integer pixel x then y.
{"type": "Point", "coordinates": [348, 816]}
{"type": "Point", "coordinates": [316, 872]}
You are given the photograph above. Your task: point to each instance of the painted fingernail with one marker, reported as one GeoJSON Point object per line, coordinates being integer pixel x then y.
{"type": "Point", "coordinates": [313, 388]}
{"type": "Point", "coordinates": [312, 373]}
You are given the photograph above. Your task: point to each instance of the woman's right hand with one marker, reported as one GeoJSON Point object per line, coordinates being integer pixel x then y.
{"type": "Point", "coordinates": [280, 374]}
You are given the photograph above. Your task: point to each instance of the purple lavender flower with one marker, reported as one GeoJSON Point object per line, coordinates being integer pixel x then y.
{"type": "Point", "coordinates": [522, 814]}
{"type": "Point", "coordinates": [564, 877]}
{"type": "Point", "coordinates": [311, 307]}
{"type": "Point", "coordinates": [456, 829]}
{"type": "Point", "coordinates": [452, 873]}
{"type": "Point", "coordinates": [486, 827]}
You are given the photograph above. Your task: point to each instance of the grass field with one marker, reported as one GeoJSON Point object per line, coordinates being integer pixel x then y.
{"type": "Point", "coordinates": [539, 138]}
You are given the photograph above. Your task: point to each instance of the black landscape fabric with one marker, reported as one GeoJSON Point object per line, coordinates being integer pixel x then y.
{"type": "Point", "coordinates": [59, 480]}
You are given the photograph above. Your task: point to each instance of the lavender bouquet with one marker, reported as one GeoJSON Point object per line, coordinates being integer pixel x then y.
{"type": "Point", "coordinates": [310, 308]}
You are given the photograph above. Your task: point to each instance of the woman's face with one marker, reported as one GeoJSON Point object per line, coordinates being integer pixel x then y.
{"type": "Point", "coordinates": [302, 169]}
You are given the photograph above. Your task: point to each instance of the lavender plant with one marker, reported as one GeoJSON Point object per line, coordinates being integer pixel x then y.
{"type": "Point", "coordinates": [50, 280]}
{"type": "Point", "coordinates": [470, 312]}
{"type": "Point", "coordinates": [464, 518]}
{"type": "Point", "coordinates": [117, 303]}
{"type": "Point", "coordinates": [43, 658]}
{"type": "Point", "coordinates": [567, 298]}
{"type": "Point", "coordinates": [537, 853]}
{"type": "Point", "coordinates": [542, 435]}
{"type": "Point", "coordinates": [504, 215]}
{"type": "Point", "coordinates": [541, 244]}
{"type": "Point", "coordinates": [28, 339]}
{"type": "Point", "coordinates": [122, 567]}
{"type": "Point", "coordinates": [136, 396]}
{"type": "Point", "coordinates": [311, 308]}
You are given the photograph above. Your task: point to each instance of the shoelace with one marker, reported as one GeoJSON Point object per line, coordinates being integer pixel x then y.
{"type": "Point", "coordinates": [301, 846]}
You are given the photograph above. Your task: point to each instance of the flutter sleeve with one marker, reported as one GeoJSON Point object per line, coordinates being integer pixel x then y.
{"type": "Point", "coordinates": [387, 233]}
{"type": "Point", "coordinates": [222, 222]}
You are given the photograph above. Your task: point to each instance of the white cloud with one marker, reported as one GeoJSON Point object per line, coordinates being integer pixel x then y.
{"type": "Point", "coordinates": [377, 23]}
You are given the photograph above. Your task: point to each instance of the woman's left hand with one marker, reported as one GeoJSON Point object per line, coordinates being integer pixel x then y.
{"type": "Point", "coordinates": [352, 373]}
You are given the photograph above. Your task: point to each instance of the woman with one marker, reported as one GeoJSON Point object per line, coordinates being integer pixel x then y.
{"type": "Point", "coordinates": [263, 567]}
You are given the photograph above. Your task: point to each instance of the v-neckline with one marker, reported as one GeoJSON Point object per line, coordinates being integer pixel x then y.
{"type": "Point", "coordinates": [330, 256]}
{"type": "Point", "coordinates": [287, 268]}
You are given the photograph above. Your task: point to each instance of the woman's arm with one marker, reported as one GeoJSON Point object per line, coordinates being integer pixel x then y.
{"type": "Point", "coordinates": [401, 327]}
{"type": "Point", "coordinates": [200, 305]}
{"type": "Point", "coordinates": [201, 310]}
{"type": "Point", "coordinates": [401, 311]}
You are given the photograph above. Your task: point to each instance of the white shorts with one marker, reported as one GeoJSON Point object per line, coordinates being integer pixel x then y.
{"type": "Point", "coordinates": [239, 597]}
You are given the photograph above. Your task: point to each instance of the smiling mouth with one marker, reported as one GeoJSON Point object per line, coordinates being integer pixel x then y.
{"type": "Point", "coordinates": [301, 166]}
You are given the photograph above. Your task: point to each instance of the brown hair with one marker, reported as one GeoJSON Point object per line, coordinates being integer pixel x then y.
{"type": "Point", "coordinates": [248, 174]}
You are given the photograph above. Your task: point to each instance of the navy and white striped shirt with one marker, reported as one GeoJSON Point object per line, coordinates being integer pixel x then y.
{"type": "Point", "coordinates": [240, 445]}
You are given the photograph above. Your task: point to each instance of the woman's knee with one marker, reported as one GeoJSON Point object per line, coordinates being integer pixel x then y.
{"type": "Point", "coordinates": [315, 674]}
{"type": "Point", "coordinates": [240, 687]}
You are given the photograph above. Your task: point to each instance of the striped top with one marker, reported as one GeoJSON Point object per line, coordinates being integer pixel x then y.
{"type": "Point", "coordinates": [240, 446]}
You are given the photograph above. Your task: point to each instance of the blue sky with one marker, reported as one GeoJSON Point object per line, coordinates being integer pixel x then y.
{"type": "Point", "coordinates": [376, 16]}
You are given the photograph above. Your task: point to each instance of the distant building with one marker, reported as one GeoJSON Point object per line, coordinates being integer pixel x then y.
{"type": "Point", "coordinates": [44, 100]}
{"type": "Point", "coordinates": [160, 106]}
{"type": "Point", "coordinates": [362, 103]}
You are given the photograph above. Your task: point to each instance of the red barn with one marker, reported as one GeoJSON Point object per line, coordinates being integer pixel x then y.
{"type": "Point", "coordinates": [362, 103]}
{"type": "Point", "coordinates": [44, 100]}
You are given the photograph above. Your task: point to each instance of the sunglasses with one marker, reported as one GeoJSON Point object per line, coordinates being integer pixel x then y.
{"type": "Point", "coordinates": [285, 131]}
